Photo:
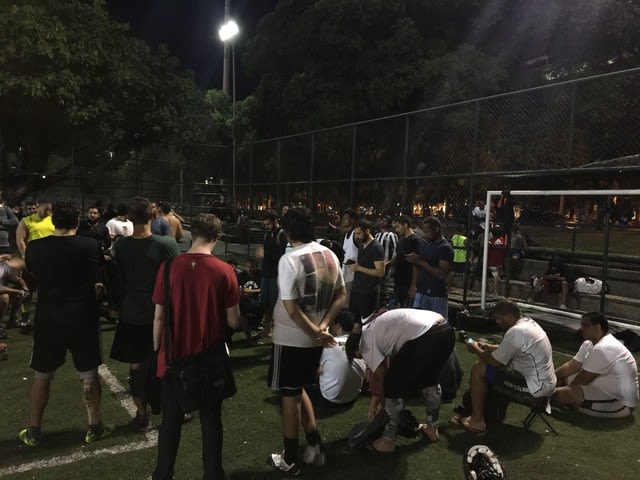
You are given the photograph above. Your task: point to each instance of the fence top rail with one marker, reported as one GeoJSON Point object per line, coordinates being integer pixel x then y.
{"type": "Point", "coordinates": [471, 101]}
{"type": "Point", "coordinates": [568, 192]}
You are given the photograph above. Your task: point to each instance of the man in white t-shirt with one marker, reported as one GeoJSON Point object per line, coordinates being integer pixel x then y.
{"type": "Point", "coordinates": [522, 363]}
{"type": "Point", "coordinates": [311, 294]}
{"type": "Point", "coordinates": [120, 226]}
{"type": "Point", "coordinates": [405, 349]}
{"type": "Point", "coordinates": [350, 248]}
{"type": "Point", "coordinates": [340, 380]}
{"type": "Point", "coordinates": [602, 379]}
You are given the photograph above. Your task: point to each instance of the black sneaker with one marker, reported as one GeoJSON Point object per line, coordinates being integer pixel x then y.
{"type": "Point", "coordinates": [96, 432]}
{"type": "Point", "coordinates": [139, 423]}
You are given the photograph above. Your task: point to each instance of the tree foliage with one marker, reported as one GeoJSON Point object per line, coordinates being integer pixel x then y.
{"type": "Point", "coordinates": [73, 80]}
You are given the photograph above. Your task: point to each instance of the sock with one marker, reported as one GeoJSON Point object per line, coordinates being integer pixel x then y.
{"type": "Point", "coordinates": [313, 438]}
{"type": "Point", "coordinates": [290, 450]}
{"type": "Point", "coordinates": [34, 432]}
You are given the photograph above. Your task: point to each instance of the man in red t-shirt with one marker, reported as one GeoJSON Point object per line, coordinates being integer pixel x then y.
{"type": "Point", "coordinates": [204, 296]}
{"type": "Point", "coordinates": [496, 255]}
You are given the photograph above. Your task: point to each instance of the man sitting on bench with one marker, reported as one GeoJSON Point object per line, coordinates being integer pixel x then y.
{"type": "Point", "coordinates": [521, 366]}
{"type": "Point", "coordinates": [602, 379]}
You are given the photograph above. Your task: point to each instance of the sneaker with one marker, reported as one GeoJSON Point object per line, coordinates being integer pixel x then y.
{"type": "Point", "coordinates": [27, 439]}
{"type": "Point", "coordinates": [97, 432]}
{"type": "Point", "coordinates": [278, 461]}
{"type": "Point", "coordinates": [139, 423]}
{"type": "Point", "coordinates": [313, 455]}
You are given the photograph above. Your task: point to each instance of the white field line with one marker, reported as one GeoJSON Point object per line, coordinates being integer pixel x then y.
{"type": "Point", "coordinates": [127, 403]}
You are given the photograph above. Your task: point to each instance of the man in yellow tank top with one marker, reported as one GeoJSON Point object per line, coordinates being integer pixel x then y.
{"type": "Point", "coordinates": [32, 227]}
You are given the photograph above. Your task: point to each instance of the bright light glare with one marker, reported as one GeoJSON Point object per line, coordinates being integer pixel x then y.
{"type": "Point", "coordinates": [228, 30]}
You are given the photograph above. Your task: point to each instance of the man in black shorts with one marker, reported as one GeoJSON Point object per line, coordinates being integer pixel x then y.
{"type": "Point", "coordinates": [139, 257]}
{"type": "Point", "coordinates": [68, 269]}
{"type": "Point", "coordinates": [311, 294]}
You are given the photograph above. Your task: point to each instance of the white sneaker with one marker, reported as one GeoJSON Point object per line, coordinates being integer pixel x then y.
{"type": "Point", "coordinates": [278, 461]}
{"type": "Point", "coordinates": [313, 455]}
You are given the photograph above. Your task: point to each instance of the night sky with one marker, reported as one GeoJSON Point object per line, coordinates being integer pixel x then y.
{"type": "Point", "coordinates": [190, 29]}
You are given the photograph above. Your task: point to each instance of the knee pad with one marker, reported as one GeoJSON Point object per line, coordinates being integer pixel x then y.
{"type": "Point", "coordinates": [90, 385]}
{"type": "Point", "coordinates": [432, 396]}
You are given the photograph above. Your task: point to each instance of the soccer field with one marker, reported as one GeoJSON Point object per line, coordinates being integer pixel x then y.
{"type": "Point", "coordinates": [586, 448]}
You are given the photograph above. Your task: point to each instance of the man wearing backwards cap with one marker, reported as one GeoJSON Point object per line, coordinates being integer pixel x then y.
{"type": "Point", "coordinates": [405, 349]}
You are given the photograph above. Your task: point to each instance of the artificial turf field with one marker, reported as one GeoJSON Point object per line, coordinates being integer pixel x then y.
{"type": "Point", "coordinates": [586, 448]}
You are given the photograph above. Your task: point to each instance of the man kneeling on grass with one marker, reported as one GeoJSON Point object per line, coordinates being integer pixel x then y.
{"type": "Point", "coordinates": [405, 349]}
{"type": "Point", "coordinates": [602, 379]}
{"type": "Point", "coordinates": [522, 363]}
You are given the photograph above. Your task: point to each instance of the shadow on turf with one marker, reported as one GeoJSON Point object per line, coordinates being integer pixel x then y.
{"type": "Point", "coordinates": [515, 439]}
{"type": "Point", "coordinates": [343, 462]}
{"type": "Point", "coordinates": [594, 424]}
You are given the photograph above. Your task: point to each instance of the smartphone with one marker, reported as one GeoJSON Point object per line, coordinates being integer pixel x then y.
{"type": "Point", "coordinates": [469, 340]}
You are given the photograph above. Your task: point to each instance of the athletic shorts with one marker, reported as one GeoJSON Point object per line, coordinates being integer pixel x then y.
{"type": "Point", "coordinates": [419, 362]}
{"type": "Point", "coordinates": [293, 367]}
{"type": "Point", "coordinates": [51, 342]}
{"type": "Point", "coordinates": [511, 382]}
{"type": "Point", "coordinates": [132, 343]}
{"type": "Point", "coordinates": [268, 292]}
{"type": "Point", "coordinates": [459, 267]}
{"type": "Point", "coordinates": [598, 403]}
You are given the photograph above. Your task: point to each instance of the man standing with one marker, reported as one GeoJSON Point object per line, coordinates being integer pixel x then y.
{"type": "Point", "coordinates": [8, 222]}
{"type": "Point", "coordinates": [120, 226]}
{"type": "Point", "coordinates": [368, 271]}
{"type": "Point", "coordinates": [67, 268]}
{"type": "Point", "coordinates": [601, 380]}
{"type": "Point", "coordinates": [204, 297]}
{"type": "Point", "coordinates": [311, 295]}
{"type": "Point", "coordinates": [32, 227]}
{"type": "Point", "coordinates": [349, 246]}
{"type": "Point", "coordinates": [275, 244]}
{"type": "Point", "coordinates": [404, 278]}
{"type": "Point", "coordinates": [139, 257]}
{"type": "Point", "coordinates": [522, 363]}
{"type": "Point", "coordinates": [174, 222]}
{"type": "Point", "coordinates": [159, 226]}
{"type": "Point", "coordinates": [433, 264]}
{"type": "Point", "coordinates": [405, 349]}
{"type": "Point", "coordinates": [94, 228]}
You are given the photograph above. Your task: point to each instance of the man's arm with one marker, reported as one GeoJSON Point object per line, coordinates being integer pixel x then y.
{"type": "Point", "coordinates": [22, 235]}
{"type": "Point", "coordinates": [158, 325]}
{"type": "Point", "coordinates": [484, 353]}
{"type": "Point", "coordinates": [233, 317]}
{"type": "Point", "coordinates": [568, 368]}
{"type": "Point", "coordinates": [377, 271]}
{"type": "Point", "coordinates": [11, 220]}
{"type": "Point", "coordinates": [441, 271]}
{"type": "Point", "coordinates": [584, 378]}
{"type": "Point", "coordinates": [178, 230]}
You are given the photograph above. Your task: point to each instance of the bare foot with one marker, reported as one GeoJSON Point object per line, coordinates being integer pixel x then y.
{"type": "Point", "coordinates": [430, 432]}
{"type": "Point", "coordinates": [384, 445]}
{"type": "Point", "coordinates": [472, 427]}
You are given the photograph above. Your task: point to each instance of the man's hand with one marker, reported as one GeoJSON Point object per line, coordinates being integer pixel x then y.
{"type": "Point", "coordinates": [354, 267]}
{"type": "Point", "coordinates": [325, 339]}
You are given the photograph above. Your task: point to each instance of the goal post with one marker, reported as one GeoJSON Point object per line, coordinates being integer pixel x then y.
{"type": "Point", "coordinates": [566, 216]}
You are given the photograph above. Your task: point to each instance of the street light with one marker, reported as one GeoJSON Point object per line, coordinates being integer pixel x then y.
{"type": "Point", "coordinates": [227, 32]}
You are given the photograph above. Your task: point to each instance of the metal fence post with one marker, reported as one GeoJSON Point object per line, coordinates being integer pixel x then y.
{"type": "Point", "coordinates": [405, 159]}
{"type": "Point", "coordinates": [313, 156]}
{"type": "Point", "coordinates": [353, 164]}
{"type": "Point", "coordinates": [474, 158]}
{"type": "Point", "coordinates": [605, 263]}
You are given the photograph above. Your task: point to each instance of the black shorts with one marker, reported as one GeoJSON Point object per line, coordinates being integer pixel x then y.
{"type": "Point", "coordinates": [362, 304]}
{"type": "Point", "coordinates": [132, 343]}
{"type": "Point", "coordinates": [293, 367]}
{"type": "Point", "coordinates": [51, 342]}
{"type": "Point", "coordinates": [419, 362]}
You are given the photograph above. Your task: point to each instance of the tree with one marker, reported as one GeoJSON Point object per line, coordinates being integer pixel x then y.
{"type": "Point", "coordinates": [73, 80]}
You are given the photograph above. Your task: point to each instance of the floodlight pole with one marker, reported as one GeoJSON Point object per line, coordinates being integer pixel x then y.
{"type": "Point", "coordinates": [227, 33]}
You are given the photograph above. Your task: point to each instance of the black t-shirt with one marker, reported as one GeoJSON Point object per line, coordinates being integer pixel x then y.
{"type": "Point", "coordinates": [66, 270]}
{"type": "Point", "coordinates": [433, 254]}
{"type": "Point", "coordinates": [367, 258]}
{"type": "Point", "coordinates": [275, 243]}
{"type": "Point", "coordinates": [98, 231]}
{"type": "Point", "coordinates": [404, 270]}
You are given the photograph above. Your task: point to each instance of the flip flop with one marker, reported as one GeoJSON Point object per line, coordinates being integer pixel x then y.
{"type": "Point", "coordinates": [458, 420]}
